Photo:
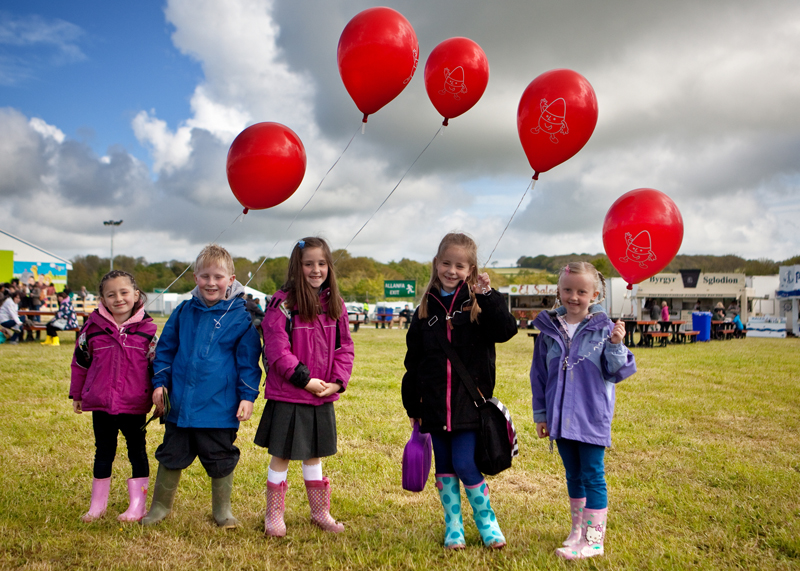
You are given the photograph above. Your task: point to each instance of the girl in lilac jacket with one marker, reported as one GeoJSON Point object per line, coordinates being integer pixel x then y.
{"type": "Point", "coordinates": [309, 356]}
{"type": "Point", "coordinates": [111, 377]}
{"type": "Point", "coordinates": [577, 360]}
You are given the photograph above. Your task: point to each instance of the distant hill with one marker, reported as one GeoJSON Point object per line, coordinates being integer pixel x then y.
{"type": "Point", "coordinates": [708, 264]}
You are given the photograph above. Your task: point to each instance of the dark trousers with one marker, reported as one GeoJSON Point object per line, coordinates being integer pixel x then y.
{"type": "Point", "coordinates": [585, 468]}
{"type": "Point", "coordinates": [214, 447]}
{"type": "Point", "coordinates": [455, 454]}
{"type": "Point", "coordinates": [106, 428]}
{"type": "Point", "coordinates": [52, 331]}
{"type": "Point", "coordinates": [16, 328]}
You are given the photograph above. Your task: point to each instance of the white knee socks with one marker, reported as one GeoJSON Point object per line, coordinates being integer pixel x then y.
{"type": "Point", "coordinates": [276, 478]}
{"type": "Point", "coordinates": [312, 472]}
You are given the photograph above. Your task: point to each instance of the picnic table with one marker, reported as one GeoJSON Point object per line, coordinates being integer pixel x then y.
{"type": "Point", "coordinates": [674, 327]}
{"type": "Point", "coordinates": [42, 325]}
{"type": "Point", "coordinates": [722, 329]}
{"type": "Point", "coordinates": [630, 329]}
{"type": "Point", "coordinates": [644, 332]}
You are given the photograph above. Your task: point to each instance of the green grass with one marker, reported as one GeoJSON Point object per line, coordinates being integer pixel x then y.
{"type": "Point", "coordinates": [704, 473]}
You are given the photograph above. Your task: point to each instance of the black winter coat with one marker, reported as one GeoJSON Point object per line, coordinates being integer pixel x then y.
{"type": "Point", "coordinates": [432, 390]}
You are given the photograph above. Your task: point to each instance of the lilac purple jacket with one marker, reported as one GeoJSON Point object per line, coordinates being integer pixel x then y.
{"type": "Point", "coordinates": [322, 349]}
{"type": "Point", "coordinates": [573, 380]}
{"type": "Point", "coordinates": [111, 365]}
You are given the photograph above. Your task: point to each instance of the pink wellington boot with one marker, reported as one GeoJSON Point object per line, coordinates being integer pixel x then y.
{"type": "Point", "coordinates": [319, 499]}
{"type": "Point", "coordinates": [576, 509]}
{"type": "Point", "coordinates": [274, 525]}
{"type": "Point", "coordinates": [593, 535]}
{"type": "Point", "coordinates": [97, 509]}
{"type": "Point", "coordinates": [137, 492]}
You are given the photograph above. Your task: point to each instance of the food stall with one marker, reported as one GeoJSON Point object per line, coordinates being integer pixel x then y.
{"type": "Point", "coordinates": [684, 290]}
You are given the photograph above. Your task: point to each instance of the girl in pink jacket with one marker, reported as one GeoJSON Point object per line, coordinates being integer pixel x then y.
{"type": "Point", "coordinates": [309, 356]}
{"type": "Point", "coordinates": [111, 377]}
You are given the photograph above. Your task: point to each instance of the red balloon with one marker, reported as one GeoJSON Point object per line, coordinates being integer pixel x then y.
{"type": "Point", "coordinates": [556, 116]}
{"type": "Point", "coordinates": [266, 163]}
{"type": "Point", "coordinates": [456, 75]}
{"type": "Point", "coordinates": [377, 55]}
{"type": "Point", "coordinates": [642, 232]}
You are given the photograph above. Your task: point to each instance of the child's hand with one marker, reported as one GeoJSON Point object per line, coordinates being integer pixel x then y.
{"type": "Point", "coordinates": [415, 421]}
{"type": "Point", "coordinates": [330, 388]}
{"type": "Point", "coordinates": [484, 284]}
{"type": "Point", "coordinates": [158, 400]}
{"type": "Point", "coordinates": [245, 411]}
{"type": "Point", "coordinates": [619, 333]}
{"type": "Point", "coordinates": [76, 406]}
{"type": "Point", "coordinates": [316, 386]}
{"type": "Point", "coordinates": [541, 430]}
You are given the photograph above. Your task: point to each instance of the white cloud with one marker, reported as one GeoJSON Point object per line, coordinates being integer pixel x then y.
{"type": "Point", "coordinates": [696, 100]}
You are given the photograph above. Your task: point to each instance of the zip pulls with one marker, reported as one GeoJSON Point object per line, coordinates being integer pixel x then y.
{"type": "Point", "coordinates": [449, 313]}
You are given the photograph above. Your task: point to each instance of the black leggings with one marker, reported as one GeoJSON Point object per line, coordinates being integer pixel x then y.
{"type": "Point", "coordinates": [106, 427]}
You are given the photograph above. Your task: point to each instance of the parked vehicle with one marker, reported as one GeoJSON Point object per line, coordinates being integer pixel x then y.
{"type": "Point", "coordinates": [356, 315]}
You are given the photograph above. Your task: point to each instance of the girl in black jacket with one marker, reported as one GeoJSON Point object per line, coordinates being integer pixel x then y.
{"type": "Point", "coordinates": [460, 308]}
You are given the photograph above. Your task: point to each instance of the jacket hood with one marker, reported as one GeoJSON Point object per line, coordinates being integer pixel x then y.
{"type": "Point", "coordinates": [236, 289]}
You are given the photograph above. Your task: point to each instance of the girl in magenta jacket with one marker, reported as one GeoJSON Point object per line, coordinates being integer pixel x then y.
{"type": "Point", "coordinates": [309, 354]}
{"type": "Point", "coordinates": [111, 377]}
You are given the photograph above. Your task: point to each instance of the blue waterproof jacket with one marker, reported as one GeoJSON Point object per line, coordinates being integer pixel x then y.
{"type": "Point", "coordinates": [207, 359]}
{"type": "Point", "coordinates": [573, 380]}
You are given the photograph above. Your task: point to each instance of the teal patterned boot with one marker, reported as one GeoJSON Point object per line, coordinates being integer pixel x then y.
{"type": "Point", "coordinates": [484, 517]}
{"type": "Point", "coordinates": [450, 495]}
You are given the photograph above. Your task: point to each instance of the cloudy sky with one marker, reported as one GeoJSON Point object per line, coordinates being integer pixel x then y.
{"type": "Point", "coordinates": [126, 110]}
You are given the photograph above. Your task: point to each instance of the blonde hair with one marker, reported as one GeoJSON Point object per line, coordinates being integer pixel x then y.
{"type": "Point", "coordinates": [580, 268]}
{"type": "Point", "coordinates": [214, 255]}
{"type": "Point", "coordinates": [469, 246]}
{"type": "Point", "coordinates": [300, 294]}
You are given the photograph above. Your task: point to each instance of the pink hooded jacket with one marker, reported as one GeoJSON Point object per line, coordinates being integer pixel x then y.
{"type": "Point", "coordinates": [322, 349]}
{"type": "Point", "coordinates": [111, 366]}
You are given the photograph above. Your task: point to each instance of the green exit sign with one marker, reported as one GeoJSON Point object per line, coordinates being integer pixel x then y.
{"type": "Point", "coordinates": [399, 288]}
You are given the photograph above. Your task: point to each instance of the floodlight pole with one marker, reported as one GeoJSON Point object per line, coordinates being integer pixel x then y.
{"type": "Point", "coordinates": [112, 223]}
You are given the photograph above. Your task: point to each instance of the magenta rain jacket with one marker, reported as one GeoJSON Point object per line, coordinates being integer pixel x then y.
{"type": "Point", "coordinates": [320, 350]}
{"type": "Point", "coordinates": [111, 365]}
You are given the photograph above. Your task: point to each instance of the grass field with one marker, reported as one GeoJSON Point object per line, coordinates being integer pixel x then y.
{"type": "Point", "coordinates": [704, 473]}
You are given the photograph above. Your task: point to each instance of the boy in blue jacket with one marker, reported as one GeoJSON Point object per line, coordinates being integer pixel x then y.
{"type": "Point", "coordinates": [207, 364]}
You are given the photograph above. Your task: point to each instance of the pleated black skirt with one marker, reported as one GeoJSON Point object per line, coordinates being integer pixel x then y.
{"type": "Point", "coordinates": [297, 431]}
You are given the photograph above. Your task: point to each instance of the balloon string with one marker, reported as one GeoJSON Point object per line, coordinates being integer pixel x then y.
{"type": "Point", "coordinates": [439, 130]}
{"type": "Point", "coordinates": [531, 185]}
{"type": "Point", "coordinates": [166, 289]}
{"type": "Point", "coordinates": [285, 232]}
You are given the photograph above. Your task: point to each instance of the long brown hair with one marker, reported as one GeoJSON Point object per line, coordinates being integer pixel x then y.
{"type": "Point", "coordinates": [471, 248]}
{"type": "Point", "coordinates": [300, 294]}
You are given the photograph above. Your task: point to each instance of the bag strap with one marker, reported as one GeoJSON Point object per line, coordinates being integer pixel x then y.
{"type": "Point", "coordinates": [461, 370]}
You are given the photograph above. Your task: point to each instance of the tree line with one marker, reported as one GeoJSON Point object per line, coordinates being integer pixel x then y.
{"type": "Point", "coordinates": [707, 264]}
{"type": "Point", "coordinates": [361, 278]}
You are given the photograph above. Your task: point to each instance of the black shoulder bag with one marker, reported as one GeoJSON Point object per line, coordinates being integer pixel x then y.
{"type": "Point", "coordinates": [496, 444]}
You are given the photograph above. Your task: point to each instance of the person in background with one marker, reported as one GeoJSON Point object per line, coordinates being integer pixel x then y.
{"type": "Point", "coordinates": [655, 310]}
{"type": "Point", "coordinates": [64, 319]}
{"type": "Point", "coordinates": [405, 317]}
{"type": "Point", "coordinates": [256, 313]}
{"type": "Point", "coordinates": [719, 312]}
{"type": "Point", "coordinates": [10, 318]}
{"type": "Point", "coordinates": [664, 316]}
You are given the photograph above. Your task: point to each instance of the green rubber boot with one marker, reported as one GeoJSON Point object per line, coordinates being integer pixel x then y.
{"type": "Point", "coordinates": [163, 495]}
{"type": "Point", "coordinates": [221, 489]}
